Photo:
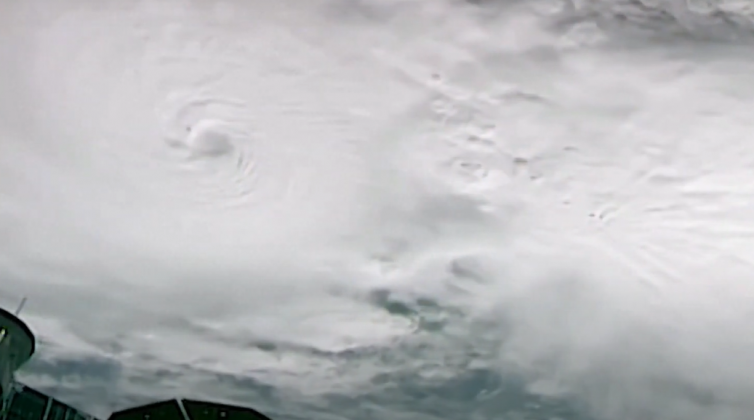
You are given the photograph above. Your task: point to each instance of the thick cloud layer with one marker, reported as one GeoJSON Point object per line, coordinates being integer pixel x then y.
{"type": "Point", "coordinates": [392, 209]}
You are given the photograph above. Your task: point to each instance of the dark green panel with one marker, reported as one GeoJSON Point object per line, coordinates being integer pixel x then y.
{"type": "Point", "coordinates": [31, 404]}
{"type": "Point", "coordinates": [74, 414]}
{"type": "Point", "coordinates": [28, 404]}
{"type": "Point", "coordinates": [57, 411]}
{"type": "Point", "coordinates": [164, 410]}
{"type": "Point", "coordinates": [202, 410]}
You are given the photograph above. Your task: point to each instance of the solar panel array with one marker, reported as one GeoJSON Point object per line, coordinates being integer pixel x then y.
{"type": "Point", "coordinates": [185, 409]}
{"type": "Point", "coordinates": [30, 404]}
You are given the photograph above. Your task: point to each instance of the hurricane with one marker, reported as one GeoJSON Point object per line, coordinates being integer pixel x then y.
{"type": "Point", "coordinates": [383, 209]}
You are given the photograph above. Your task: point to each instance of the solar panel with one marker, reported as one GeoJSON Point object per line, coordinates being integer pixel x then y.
{"type": "Point", "coordinates": [162, 410]}
{"type": "Point", "coordinates": [203, 410]}
{"type": "Point", "coordinates": [193, 409]}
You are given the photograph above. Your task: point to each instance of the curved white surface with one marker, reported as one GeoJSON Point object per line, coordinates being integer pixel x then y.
{"type": "Point", "coordinates": [363, 198]}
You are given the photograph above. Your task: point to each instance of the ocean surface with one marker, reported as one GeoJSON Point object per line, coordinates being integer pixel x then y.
{"type": "Point", "coordinates": [384, 209]}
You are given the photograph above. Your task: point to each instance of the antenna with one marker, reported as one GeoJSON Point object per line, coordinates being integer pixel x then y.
{"type": "Point", "coordinates": [21, 306]}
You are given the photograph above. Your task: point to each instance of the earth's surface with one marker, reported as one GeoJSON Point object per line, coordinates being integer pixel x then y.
{"type": "Point", "coordinates": [384, 209]}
